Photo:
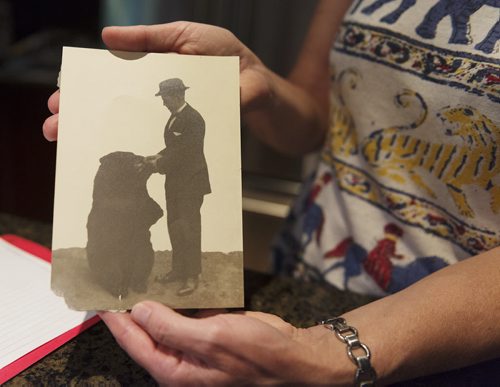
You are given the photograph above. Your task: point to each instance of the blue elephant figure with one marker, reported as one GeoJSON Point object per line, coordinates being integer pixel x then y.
{"type": "Point", "coordinates": [487, 45]}
{"type": "Point", "coordinates": [460, 13]}
{"type": "Point", "coordinates": [393, 16]}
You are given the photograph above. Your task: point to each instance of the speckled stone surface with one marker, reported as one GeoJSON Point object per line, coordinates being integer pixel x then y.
{"type": "Point", "coordinates": [94, 359]}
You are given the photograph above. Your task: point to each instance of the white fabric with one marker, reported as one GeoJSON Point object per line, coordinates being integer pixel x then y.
{"type": "Point", "coordinates": [409, 177]}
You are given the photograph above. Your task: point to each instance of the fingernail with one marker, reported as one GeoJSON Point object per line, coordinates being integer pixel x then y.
{"type": "Point", "coordinates": [140, 313]}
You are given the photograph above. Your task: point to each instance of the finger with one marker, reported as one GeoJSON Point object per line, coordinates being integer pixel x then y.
{"type": "Point", "coordinates": [53, 102]}
{"type": "Point", "coordinates": [139, 345]}
{"type": "Point", "coordinates": [162, 362]}
{"type": "Point", "coordinates": [168, 327]}
{"type": "Point", "coordinates": [154, 38]}
{"type": "Point", "coordinates": [193, 335]}
{"type": "Point", "coordinates": [209, 312]}
{"type": "Point", "coordinates": [49, 127]}
{"type": "Point", "coordinates": [202, 339]}
{"type": "Point", "coordinates": [231, 343]}
{"type": "Point", "coordinates": [130, 336]}
{"type": "Point", "coordinates": [181, 37]}
{"type": "Point", "coordinates": [209, 339]}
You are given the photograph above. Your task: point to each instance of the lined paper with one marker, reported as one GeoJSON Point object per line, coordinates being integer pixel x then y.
{"type": "Point", "coordinates": [30, 314]}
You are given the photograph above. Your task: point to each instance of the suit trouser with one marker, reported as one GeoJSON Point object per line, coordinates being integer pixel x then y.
{"type": "Point", "coordinates": [184, 228]}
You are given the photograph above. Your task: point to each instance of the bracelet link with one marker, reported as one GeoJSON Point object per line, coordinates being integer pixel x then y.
{"type": "Point", "coordinates": [345, 332]}
{"type": "Point", "coordinates": [365, 378]}
{"type": "Point", "coordinates": [365, 374]}
{"type": "Point", "coordinates": [352, 341]}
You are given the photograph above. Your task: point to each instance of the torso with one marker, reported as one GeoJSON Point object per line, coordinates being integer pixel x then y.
{"type": "Point", "coordinates": [409, 179]}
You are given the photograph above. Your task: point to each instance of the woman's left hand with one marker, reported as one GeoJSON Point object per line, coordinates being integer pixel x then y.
{"type": "Point", "coordinates": [225, 348]}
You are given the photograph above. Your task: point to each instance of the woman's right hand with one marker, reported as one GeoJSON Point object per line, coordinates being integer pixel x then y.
{"type": "Point", "coordinates": [184, 38]}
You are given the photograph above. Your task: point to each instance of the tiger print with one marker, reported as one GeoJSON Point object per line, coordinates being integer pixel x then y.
{"type": "Point", "coordinates": [398, 155]}
{"type": "Point", "coordinates": [342, 138]}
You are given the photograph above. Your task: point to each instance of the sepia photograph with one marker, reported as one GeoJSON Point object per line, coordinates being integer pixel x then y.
{"type": "Point", "coordinates": [148, 155]}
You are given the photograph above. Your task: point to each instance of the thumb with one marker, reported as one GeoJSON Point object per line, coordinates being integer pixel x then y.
{"type": "Point", "coordinates": [171, 329]}
{"type": "Point", "coordinates": [154, 38]}
{"type": "Point", "coordinates": [181, 37]}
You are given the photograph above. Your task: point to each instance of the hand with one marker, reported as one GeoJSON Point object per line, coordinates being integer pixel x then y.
{"type": "Point", "coordinates": [50, 125]}
{"type": "Point", "coordinates": [152, 160]}
{"type": "Point", "coordinates": [249, 348]}
{"type": "Point", "coordinates": [145, 167]}
{"type": "Point", "coordinates": [183, 38]}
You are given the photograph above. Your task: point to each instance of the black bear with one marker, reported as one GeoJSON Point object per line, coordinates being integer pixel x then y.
{"type": "Point", "coordinates": [119, 250]}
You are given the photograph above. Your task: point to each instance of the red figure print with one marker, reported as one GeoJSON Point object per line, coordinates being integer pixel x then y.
{"type": "Point", "coordinates": [378, 262]}
{"type": "Point", "coordinates": [339, 250]}
{"type": "Point", "coordinates": [314, 218]}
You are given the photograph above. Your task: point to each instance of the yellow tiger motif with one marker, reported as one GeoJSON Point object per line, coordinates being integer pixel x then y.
{"type": "Point", "coordinates": [342, 138]}
{"type": "Point", "coordinates": [399, 155]}
{"type": "Point", "coordinates": [476, 163]}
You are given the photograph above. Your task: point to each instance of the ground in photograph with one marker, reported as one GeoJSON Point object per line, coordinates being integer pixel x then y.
{"type": "Point", "coordinates": [220, 285]}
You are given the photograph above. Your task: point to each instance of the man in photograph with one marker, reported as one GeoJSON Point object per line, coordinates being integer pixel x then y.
{"type": "Point", "coordinates": [186, 183]}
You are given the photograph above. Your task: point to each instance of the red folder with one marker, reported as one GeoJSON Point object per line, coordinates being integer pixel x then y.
{"type": "Point", "coordinates": [32, 357]}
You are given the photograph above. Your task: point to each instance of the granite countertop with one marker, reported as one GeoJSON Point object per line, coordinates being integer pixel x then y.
{"type": "Point", "coordinates": [93, 357]}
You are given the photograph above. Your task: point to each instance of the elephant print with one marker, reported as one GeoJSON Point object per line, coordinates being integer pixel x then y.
{"type": "Point", "coordinates": [460, 13]}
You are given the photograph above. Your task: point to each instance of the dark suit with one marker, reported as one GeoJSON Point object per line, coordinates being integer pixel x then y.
{"type": "Point", "coordinates": [186, 182]}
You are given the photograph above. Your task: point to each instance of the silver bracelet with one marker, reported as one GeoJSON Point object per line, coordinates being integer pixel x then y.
{"type": "Point", "coordinates": [365, 374]}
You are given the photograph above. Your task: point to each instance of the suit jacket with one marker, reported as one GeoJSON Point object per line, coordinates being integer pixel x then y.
{"type": "Point", "coordinates": [183, 160]}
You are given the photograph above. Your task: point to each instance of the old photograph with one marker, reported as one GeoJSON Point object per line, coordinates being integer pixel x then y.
{"type": "Point", "coordinates": [148, 181]}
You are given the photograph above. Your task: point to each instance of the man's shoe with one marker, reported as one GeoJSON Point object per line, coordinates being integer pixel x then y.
{"type": "Point", "coordinates": [168, 278]}
{"type": "Point", "coordinates": [188, 287]}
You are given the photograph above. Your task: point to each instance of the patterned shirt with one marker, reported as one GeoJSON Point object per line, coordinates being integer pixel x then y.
{"type": "Point", "coordinates": [409, 176]}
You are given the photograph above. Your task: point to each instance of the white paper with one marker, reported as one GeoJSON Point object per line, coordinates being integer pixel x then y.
{"type": "Point", "coordinates": [30, 314]}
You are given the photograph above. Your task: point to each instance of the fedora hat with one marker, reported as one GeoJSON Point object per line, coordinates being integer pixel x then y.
{"type": "Point", "coordinates": [170, 86]}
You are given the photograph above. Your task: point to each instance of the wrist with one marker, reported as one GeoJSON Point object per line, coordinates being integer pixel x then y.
{"type": "Point", "coordinates": [258, 91]}
{"type": "Point", "coordinates": [357, 351]}
{"type": "Point", "coordinates": [333, 365]}
{"type": "Point", "coordinates": [383, 346]}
